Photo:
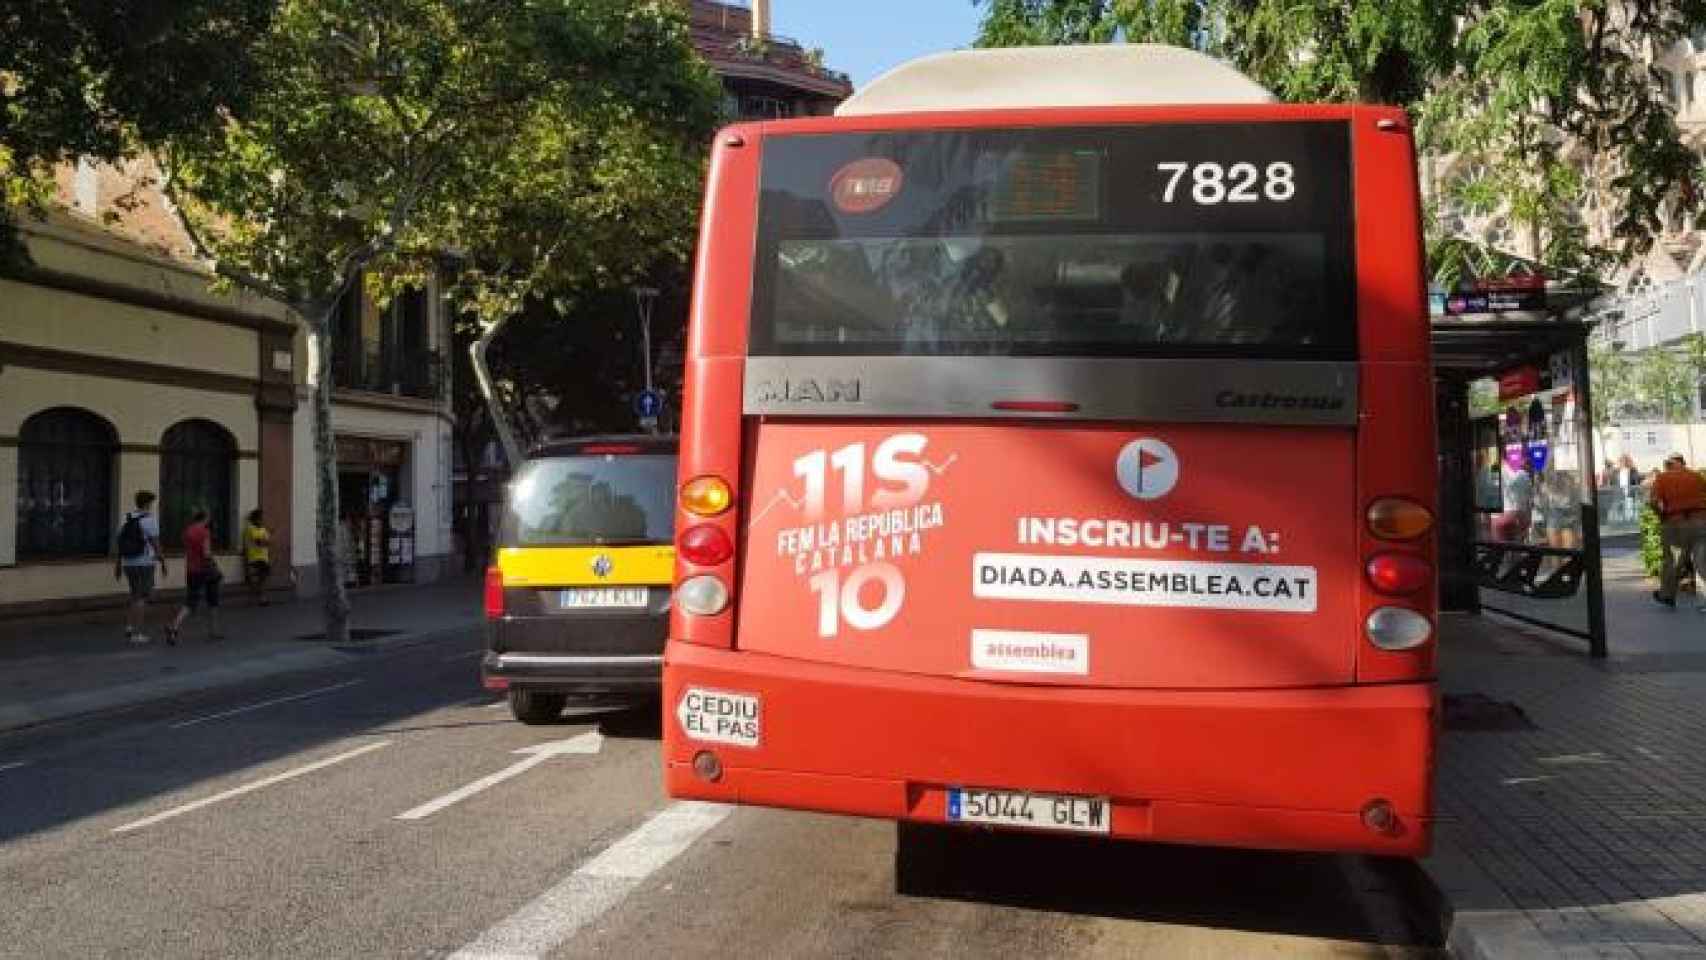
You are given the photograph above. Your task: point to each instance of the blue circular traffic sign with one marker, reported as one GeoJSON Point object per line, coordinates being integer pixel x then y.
{"type": "Point", "coordinates": [648, 403]}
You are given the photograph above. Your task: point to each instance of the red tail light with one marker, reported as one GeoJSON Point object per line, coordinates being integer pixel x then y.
{"type": "Point", "coordinates": [1395, 574]}
{"type": "Point", "coordinates": [706, 545]}
{"type": "Point", "coordinates": [494, 593]}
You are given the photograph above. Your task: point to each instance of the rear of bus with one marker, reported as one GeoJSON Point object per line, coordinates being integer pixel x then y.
{"type": "Point", "coordinates": [1063, 470]}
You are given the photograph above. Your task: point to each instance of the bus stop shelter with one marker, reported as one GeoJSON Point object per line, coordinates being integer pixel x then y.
{"type": "Point", "coordinates": [1519, 525]}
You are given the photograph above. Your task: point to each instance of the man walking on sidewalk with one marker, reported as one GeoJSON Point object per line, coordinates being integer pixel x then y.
{"type": "Point", "coordinates": [1679, 495]}
{"type": "Point", "coordinates": [201, 579]}
{"type": "Point", "coordinates": [138, 552]}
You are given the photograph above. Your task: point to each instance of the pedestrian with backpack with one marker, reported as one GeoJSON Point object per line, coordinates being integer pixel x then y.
{"type": "Point", "coordinates": [138, 548]}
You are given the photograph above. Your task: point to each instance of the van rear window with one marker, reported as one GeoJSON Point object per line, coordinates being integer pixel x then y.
{"type": "Point", "coordinates": [591, 500]}
{"type": "Point", "coordinates": [1161, 240]}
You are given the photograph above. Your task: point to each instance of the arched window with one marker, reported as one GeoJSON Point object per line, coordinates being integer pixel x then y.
{"type": "Point", "coordinates": [198, 460]}
{"type": "Point", "coordinates": [65, 485]}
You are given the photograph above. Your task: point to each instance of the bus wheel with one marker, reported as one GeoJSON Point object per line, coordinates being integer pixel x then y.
{"type": "Point", "coordinates": [923, 858]}
{"type": "Point", "coordinates": [534, 706]}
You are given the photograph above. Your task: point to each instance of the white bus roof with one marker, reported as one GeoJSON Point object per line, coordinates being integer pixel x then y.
{"type": "Point", "coordinates": [1093, 75]}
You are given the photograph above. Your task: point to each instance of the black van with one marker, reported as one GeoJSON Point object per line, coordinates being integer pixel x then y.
{"type": "Point", "coordinates": [577, 596]}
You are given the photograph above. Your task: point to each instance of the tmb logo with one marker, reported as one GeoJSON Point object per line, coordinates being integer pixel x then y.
{"type": "Point", "coordinates": [807, 390]}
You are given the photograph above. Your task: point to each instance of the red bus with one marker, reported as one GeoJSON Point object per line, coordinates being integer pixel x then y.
{"type": "Point", "coordinates": [1062, 462]}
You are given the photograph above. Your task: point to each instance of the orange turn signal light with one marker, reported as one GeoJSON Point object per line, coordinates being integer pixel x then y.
{"type": "Point", "coordinates": [1394, 518]}
{"type": "Point", "coordinates": [706, 496]}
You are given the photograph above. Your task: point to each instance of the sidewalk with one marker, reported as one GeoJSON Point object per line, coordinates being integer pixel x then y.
{"type": "Point", "coordinates": [1577, 826]}
{"type": "Point", "coordinates": [52, 668]}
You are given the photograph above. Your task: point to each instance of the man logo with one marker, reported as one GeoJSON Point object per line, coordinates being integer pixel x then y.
{"type": "Point", "coordinates": [807, 390]}
{"type": "Point", "coordinates": [602, 565]}
{"type": "Point", "coordinates": [1147, 468]}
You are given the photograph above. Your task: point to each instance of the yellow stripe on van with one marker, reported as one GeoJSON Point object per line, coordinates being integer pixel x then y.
{"type": "Point", "coordinates": [652, 566]}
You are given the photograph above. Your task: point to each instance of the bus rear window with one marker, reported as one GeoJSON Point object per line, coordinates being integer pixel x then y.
{"type": "Point", "coordinates": [591, 500]}
{"type": "Point", "coordinates": [1193, 240]}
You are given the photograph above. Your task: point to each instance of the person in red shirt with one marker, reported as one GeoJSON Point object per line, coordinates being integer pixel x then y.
{"type": "Point", "coordinates": [201, 579]}
{"type": "Point", "coordinates": [1679, 496]}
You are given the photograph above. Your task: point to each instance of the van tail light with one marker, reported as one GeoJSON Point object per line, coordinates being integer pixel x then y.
{"type": "Point", "coordinates": [494, 593]}
{"type": "Point", "coordinates": [1397, 574]}
{"type": "Point", "coordinates": [1395, 518]}
{"type": "Point", "coordinates": [706, 545]}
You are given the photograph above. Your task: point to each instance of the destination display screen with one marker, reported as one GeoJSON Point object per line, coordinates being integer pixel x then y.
{"type": "Point", "coordinates": [1159, 240]}
{"type": "Point", "coordinates": [1028, 186]}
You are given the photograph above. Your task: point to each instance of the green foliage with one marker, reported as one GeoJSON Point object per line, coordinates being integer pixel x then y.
{"type": "Point", "coordinates": [1014, 23]}
{"type": "Point", "coordinates": [1652, 547]}
{"type": "Point", "coordinates": [1499, 86]}
{"type": "Point", "coordinates": [1666, 384]}
{"type": "Point", "coordinates": [92, 78]}
{"type": "Point", "coordinates": [1614, 390]}
{"type": "Point", "coordinates": [516, 145]}
{"type": "Point", "coordinates": [542, 140]}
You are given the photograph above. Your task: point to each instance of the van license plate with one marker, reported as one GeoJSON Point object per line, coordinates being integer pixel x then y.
{"type": "Point", "coordinates": [1037, 811]}
{"type": "Point", "coordinates": [585, 598]}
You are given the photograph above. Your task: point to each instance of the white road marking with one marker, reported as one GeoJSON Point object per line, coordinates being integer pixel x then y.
{"type": "Point", "coordinates": [265, 703]}
{"type": "Point", "coordinates": [13, 766]}
{"type": "Point", "coordinates": [600, 883]}
{"type": "Point", "coordinates": [586, 743]}
{"type": "Point", "coordinates": [494, 706]}
{"type": "Point", "coordinates": [250, 787]}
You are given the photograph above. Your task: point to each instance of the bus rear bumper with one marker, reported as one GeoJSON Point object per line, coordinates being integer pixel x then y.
{"type": "Point", "coordinates": [1277, 769]}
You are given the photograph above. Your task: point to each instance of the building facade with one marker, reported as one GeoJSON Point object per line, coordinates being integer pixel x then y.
{"type": "Point", "coordinates": [121, 371]}
{"type": "Point", "coordinates": [392, 426]}
{"type": "Point", "coordinates": [765, 76]}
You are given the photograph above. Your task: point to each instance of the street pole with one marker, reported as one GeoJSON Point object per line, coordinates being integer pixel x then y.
{"type": "Point", "coordinates": [644, 298]}
{"type": "Point", "coordinates": [483, 378]}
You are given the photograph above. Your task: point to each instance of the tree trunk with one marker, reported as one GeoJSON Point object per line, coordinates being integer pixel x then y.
{"type": "Point", "coordinates": [334, 598]}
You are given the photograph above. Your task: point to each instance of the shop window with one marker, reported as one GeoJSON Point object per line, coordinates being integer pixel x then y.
{"type": "Point", "coordinates": [198, 464]}
{"type": "Point", "coordinates": [65, 485]}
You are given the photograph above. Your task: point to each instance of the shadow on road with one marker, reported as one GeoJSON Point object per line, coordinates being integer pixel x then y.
{"type": "Point", "coordinates": [643, 721]}
{"type": "Point", "coordinates": [72, 770]}
{"type": "Point", "coordinates": [1309, 895]}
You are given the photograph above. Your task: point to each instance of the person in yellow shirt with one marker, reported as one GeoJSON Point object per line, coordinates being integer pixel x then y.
{"type": "Point", "coordinates": [257, 556]}
{"type": "Point", "coordinates": [1679, 496]}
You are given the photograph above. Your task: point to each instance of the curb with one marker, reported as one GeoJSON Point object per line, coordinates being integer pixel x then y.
{"type": "Point", "coordinates": [138, 693]}
{"type": "Point", "coordinates": [1478, 920]}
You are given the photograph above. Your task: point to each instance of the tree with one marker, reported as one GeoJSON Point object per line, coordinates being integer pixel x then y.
{"type": "Point", "coordinates": [1613, 385]}
{"type": "Point", "coordinates": [530, 141]}
{"type": "Point", "coordinates": [96, 78]}
{"type": "Point", "coordinates": [1539, 103]}
{"type": "Point", "coordinates": [1666, 384]}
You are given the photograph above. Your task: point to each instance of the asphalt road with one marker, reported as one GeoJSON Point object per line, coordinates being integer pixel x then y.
{"type": "Point", "coordinates": [382, 810]}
